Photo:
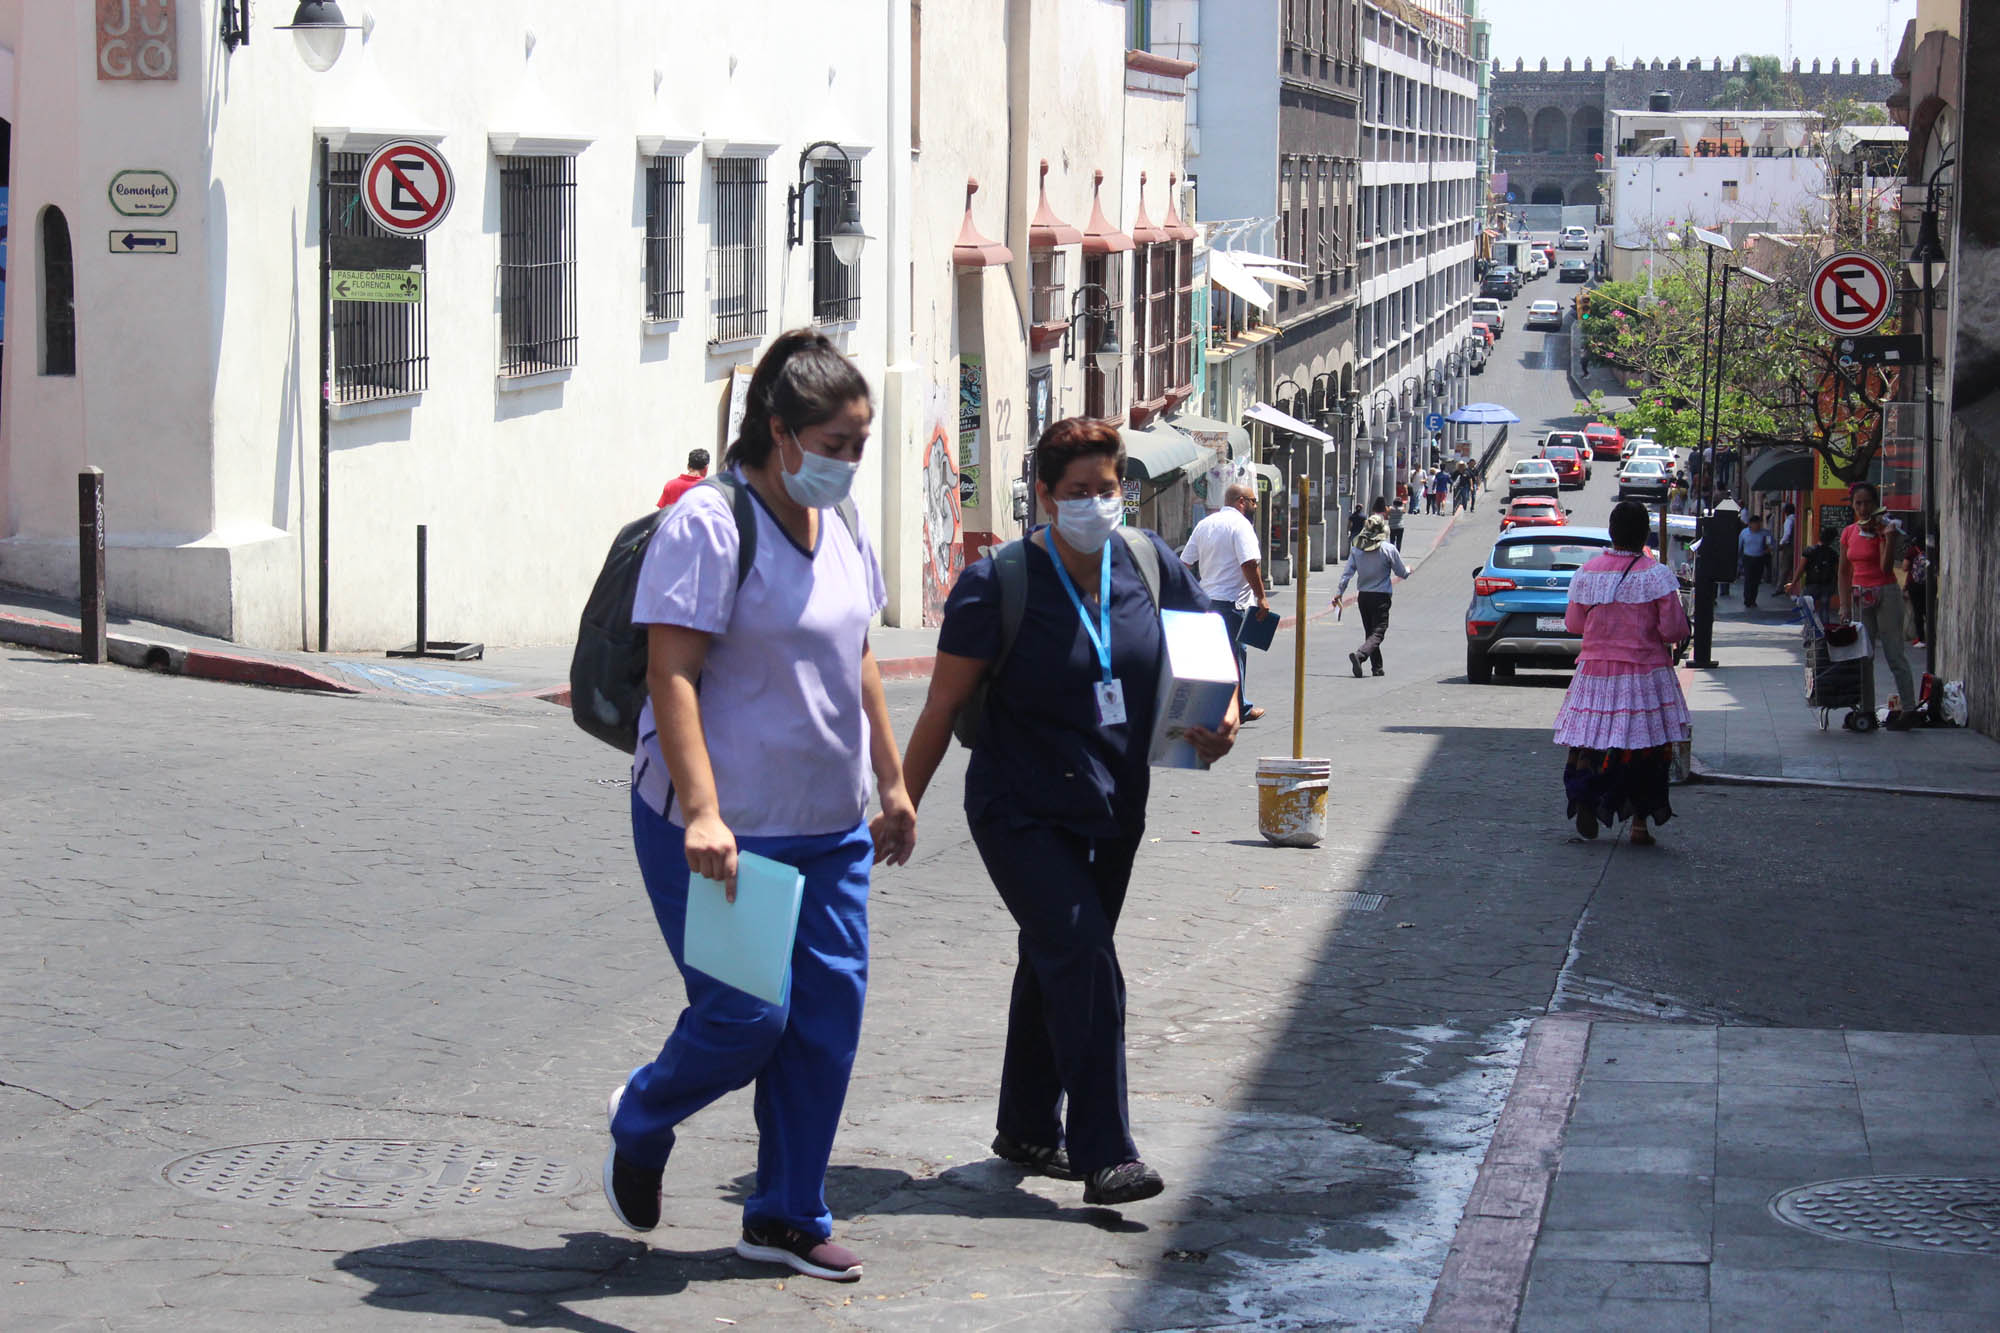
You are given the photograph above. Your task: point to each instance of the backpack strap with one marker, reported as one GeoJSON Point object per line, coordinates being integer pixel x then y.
{"type": "Point", "coordinates": [1139, 544]}
{"type": "Point", "coordinates": [742, 507]}
{"type": "Point", "coordinates": [1010, 568]}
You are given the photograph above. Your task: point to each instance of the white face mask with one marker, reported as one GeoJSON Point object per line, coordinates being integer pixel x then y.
{"type": "Point", "coordinates": [820, 482]}
{"type": "Point", "coordinates": [1087, 524]}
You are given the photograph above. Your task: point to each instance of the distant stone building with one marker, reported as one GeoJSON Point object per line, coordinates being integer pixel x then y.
{"type": "Point", "coordinates": [1550, 125]}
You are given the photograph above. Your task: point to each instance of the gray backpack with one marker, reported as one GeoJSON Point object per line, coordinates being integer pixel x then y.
{"type": "Point", "coordinates": [1010, 569]}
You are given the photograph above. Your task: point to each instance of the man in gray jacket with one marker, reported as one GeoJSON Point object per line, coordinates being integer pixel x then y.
{"type": "Point", "coordinates": [1375, 563]}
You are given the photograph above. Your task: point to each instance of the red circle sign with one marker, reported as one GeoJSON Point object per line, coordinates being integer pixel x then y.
{"type": "Point", "coordinates": [1851, 293]}
{"type": "Point", "coordinates": [406, 187]}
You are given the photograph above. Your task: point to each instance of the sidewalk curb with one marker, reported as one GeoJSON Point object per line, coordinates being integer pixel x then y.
{"type": "Point", "coordinates": [171, 659]}
{"type": "Point", "coordinates": [1486, 1273]}
{"type": "Point", "coordinates": [1703, 773]}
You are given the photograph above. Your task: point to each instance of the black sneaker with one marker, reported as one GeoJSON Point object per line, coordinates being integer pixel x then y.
{"type": "Point", "coordinates": [632, 1191]}
{"type": "Point", "coordinates": [775, 1243]}
{"type": "Point", "coordinates": [1586, 821]}
{"type": "Point", "coordinates": [1354, 660]}
{"type": "Point", "coordinates": [1128, 1182]}
{"type": "Point", "coordinates": [1901, 721]}
{"type": "Point", "coordinates": [1050, 1162]}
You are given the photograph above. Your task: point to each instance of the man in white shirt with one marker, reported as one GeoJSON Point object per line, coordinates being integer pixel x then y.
{"type": "Point", "coordinates": [1223, 549]}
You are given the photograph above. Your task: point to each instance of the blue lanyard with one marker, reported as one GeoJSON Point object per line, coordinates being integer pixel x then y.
{"type": "Point", "coordinates": [1100, 634]}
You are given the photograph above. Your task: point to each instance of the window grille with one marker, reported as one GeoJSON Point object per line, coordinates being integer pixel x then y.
{"type": "Point", "coordinates": [836, 294]}
{"type": "Point", "coordinates": [537, 264]}
{"type": "Point", "coordinates": [380, 348]}
{"type": "Point", "coordinates": [1102, 393]}
{"type": "Point", "coordinates": [1046, 279]}
{"type": "Point", "coordinates": [736, 249]}
{"type": "Point", "coordinates": [1159, 320]}
{"type": "Point", "coordinates": [1183, 371]}
{"type": "Point", "coordinates": [666, 282]}
{"type": "Point", "coordinates": [58, 295]}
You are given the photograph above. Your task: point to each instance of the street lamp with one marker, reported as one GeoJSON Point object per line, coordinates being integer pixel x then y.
{"type": "Point", "coordinates": [1711, 242]}
{"type": "Point", "coordinates": [320, 31]}
{"type": "Point", "coordinates": [1928, 267]}
{"type": "Point", "coordinates": [1108, 355]}
{"type": "Point", "coordinates": [847, 237]}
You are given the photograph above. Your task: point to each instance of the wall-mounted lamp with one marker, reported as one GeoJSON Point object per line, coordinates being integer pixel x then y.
{"type": "Point", "coordinates": [1109, 355]}
{"type": "Point", "coordinates": [235, 24]}
{"type": "Point", "coordinates": [320, 30]}
{"type": "Point", "coordinates": [848, 237]}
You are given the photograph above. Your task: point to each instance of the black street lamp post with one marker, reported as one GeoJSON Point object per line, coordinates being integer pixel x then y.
{"type": "Point", "coordinates": [1927, 265]}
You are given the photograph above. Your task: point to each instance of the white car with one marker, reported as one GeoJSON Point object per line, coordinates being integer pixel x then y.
{"type": "Point", "coordinates": [1574, 238]}
{"type": "Point", "coordinates": [1533, 476]}
{"type": "Point", "coordinates": [1643, 478]}
{"type": "Point", "coordinates": [1545, 315]}
{"type": "Point", "coordinates": [1538, 263]}
{"type": "Point", "coordinates": [1487, 310]}
{"type": "Point", "coordinates": [1648, 449]}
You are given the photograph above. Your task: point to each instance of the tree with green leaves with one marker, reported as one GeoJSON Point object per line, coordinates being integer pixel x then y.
{"type": "Point", "coordinates": [1758, 83]}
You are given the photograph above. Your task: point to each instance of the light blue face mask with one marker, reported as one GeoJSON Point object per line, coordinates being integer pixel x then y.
{"type": "Point", "coordinates": [1088, 523]}
{"type": "Point", "coordinates": [820, 482]}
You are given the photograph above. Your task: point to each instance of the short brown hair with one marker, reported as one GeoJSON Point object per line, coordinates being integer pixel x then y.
{"type": "Point", "coordinates": [1073, 438]}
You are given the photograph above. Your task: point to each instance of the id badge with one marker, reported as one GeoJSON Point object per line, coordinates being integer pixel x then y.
{"type": "Point", "coordinates": [1110, 702]}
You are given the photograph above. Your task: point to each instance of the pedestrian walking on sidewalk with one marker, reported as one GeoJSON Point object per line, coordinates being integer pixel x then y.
{"type": "Point", "coordinates": [1396, 515]}
{"type": "Point", "coordinates": [1624, 711]}
{"type": "Point", "coordinates": [765, 715]}
{"type": "Point", "coordinates": [1440, 487]}
{"type": "Point", "coordinates": [1355, 518]}
{"type": "Point", "coordinates": [1753, 550]}
{"type": "Point", "coordinates": [1056, 788]}
{"type": "Point", "coordinates": [1374, 563]}
{"type": "Point", "coordinates": [1869, 594]}
{"type": "Point", "coordinates": [1819, 573]}
{"type": "Point", "coordinates": [697, 469]}
{"type": "Point", "coordinates": [1223, 548]}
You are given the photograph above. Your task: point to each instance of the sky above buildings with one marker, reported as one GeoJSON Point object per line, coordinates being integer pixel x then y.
{"type": "Point", "coordinates": [1822, 30]}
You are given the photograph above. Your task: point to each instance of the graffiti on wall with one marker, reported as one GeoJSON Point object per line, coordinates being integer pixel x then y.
{"type": "Point", "coordinates": [971, 406]}
{"type": "Point", "coordinates": [944, 552]}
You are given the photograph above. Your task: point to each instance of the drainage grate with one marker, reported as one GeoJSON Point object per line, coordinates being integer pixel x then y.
{"type": "Point", "coordinates": [367, 1175]}
{"type": "Point", "coordinates": [1343, 899]}
{"type": "Point", "coordinates": [1938, 1214]}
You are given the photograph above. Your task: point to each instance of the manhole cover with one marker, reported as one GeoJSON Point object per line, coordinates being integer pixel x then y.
{"type": "Point", "coordinates": [367, 1175]}
{"type": "Point", "coordinates": [1942, 1214]}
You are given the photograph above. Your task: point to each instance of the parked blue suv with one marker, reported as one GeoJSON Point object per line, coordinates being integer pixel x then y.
{"type": "Point", "coordinates": [1518, 599]}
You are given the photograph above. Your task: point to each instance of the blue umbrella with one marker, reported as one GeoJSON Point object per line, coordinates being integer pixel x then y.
{"type": "Point", "coordinates": [1483, 414]}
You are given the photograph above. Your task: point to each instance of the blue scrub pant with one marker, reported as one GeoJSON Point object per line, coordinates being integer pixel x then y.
{"type": "Point", "coordinates": [1066, 1022]}
{"type": "Point", "coordinates": [799, 1055]}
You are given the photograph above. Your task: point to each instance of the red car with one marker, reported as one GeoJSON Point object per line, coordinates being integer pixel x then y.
{"type": "Point", "coordinates": [1569, 465]}
{"type": "Point", "coordinates": [1549, 253]}
{"type": "Point", "coordinates": [1484, 332]}
{"type": "Point", "coordinates": [1606, 441]}
{"type": "Point", "coordinates": [1534, 511]}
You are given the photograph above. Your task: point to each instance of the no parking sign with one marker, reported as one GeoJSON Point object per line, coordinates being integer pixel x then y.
{"type": "Point", "coordinates": [1851, 293]}
{"type": "Point", "coordinates": [406, 187]}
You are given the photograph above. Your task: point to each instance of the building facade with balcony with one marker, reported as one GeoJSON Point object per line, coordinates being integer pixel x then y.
{"type": "Point", "coordinates": [1417, 234]}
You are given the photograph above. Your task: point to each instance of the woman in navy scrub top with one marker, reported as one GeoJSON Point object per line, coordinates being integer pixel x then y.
{"type": "Point", "coordinates": [1056, 797]}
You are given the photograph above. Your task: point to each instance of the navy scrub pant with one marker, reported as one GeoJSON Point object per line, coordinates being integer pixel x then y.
{"type": "Point", "coordinates": [1066, 1023]}
{"type": "Point", "coordinates": [798, 1054]}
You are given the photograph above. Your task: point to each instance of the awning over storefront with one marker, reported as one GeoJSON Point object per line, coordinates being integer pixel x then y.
{"type": "Point", "coordinates": [1277, 277]}
{"type": "Point", "coordinates": [1271, 416]}
{"type": "Point", "coordinates": [1232, 277]}
{"type": "Point", "coordinates": [1158, 452]}
{"type": "Point", "coordinates": [1228, 441]}
{"type": "Point", "coordinates": [1780, 470]}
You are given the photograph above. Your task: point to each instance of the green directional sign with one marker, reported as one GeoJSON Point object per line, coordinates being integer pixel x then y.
{"type": "Point", "coordinates": [398, 285]}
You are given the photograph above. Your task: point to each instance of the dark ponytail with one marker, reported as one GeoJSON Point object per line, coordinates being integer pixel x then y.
{"type": "Point", "coordinates": [802, 380]}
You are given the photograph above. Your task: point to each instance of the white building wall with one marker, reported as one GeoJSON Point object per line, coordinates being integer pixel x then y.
{"type": "Point", "coordinates": [1653, 195]}
{"type": "Point", "coordinates": [195, 391]}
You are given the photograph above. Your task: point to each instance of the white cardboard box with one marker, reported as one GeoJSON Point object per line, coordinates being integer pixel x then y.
{"type": "Point", "coordinates": [1197, 681]}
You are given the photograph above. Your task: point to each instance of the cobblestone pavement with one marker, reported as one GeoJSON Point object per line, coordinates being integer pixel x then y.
{"type": "Point", "coordinates": [241, 917]}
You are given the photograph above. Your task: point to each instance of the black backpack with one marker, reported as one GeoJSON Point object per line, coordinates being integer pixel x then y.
{"type": "Point", "coordinates": [607, 673]}
{"type": "Point", "coordinates": [1822, 565]}
{"type": "Point", "coordinates": [1010, 570]}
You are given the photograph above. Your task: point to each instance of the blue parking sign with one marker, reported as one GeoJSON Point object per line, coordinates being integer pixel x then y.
{"type": "Point", "coordinates": [1434, 422]}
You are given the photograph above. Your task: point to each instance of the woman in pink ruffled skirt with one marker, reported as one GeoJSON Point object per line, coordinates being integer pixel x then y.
{"type": "Point", "coordinates": [1624, 711]}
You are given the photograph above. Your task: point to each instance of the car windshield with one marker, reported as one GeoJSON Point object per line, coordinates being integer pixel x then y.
{"type": "Point", "coordinates": [1643, 465]}
{"type": "Point", "coordinates": [1568, 440]}
{"type": "Point", "coordinates": [1546, 555]}
{"type": "Point", "coordinates": [1556, 451]}
{"type": "Point", "coordinates": [1528, 465]}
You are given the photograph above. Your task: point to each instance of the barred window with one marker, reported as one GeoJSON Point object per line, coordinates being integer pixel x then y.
{"type": "Point", "coordinates": [1183, 371]}
{"type": "Point", "coordinates": [836, 294]}
{"type": "Point", "coordinates": [736, 249]}
{"type": "Point", "coordinates": [58, 295]}
{"type": "Point", "coordinates": [1153, 287]}
{"type": "Point", "coordinates": [380, 348]}
{"type": "Point", "coordinates": [537, 264]}
{"type": "Point", "coordinates": [666, 283]}
{"type": "Point", "coordinates": [1103, 393]}
{"type": "Point", "coordinates": [1047, 272]}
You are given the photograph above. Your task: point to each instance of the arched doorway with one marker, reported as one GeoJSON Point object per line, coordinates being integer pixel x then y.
{"type": "Point", "coordinates": [1551, 131]}
{"type": "Point", "coordinates": [1586, 133]}
{"type": "Point", "coordinates": [58, 303]}
{"type": "Point", "coordinates": [1584, 192]}
{"type": "Point", "coordinates": [1546, 195]}
{"type": "Point", "coordinates": [1510, 130]}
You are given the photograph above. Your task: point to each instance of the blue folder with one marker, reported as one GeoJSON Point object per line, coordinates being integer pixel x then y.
{"type": "Point", "coordinates": [748, 943]}
{"type": "Point", "coordinates": [1258, 631]}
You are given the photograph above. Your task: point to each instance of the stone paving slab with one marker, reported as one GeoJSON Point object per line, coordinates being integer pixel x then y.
{"type": "Point", "coordinates": [1681, 1238]}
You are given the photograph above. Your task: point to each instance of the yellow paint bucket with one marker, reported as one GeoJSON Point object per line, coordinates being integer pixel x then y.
{"type": "Point", "coordinates": [1291, 800]}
